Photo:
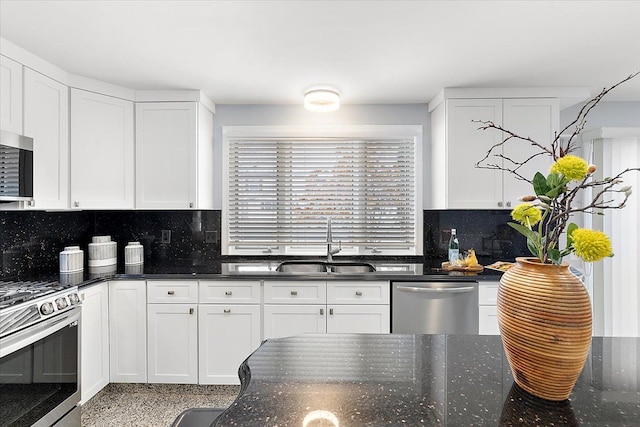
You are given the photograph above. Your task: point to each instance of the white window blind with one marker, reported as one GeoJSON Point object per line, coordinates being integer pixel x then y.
{"type": "Point", "coordinates": [281, 192]}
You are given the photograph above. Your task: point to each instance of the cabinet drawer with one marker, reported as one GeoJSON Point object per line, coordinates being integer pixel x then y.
{"type": "Point", "coordinates": [307, 292]}
{"type": "Point", "coordinates": [169, 291]}
{"type": "Point", "coordinates": [230, 291]}
{"type": "Point", "coordinates": [488, 294]}
{"type": "Point", "coordinates": [353, 292]}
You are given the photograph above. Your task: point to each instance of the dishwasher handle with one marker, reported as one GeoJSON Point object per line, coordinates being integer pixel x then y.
{"type": "Point", "coordinates": [447, 290]}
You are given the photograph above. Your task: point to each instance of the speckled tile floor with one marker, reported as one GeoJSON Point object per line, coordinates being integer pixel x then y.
{"type": "Point", "coordinates": [151, 405]}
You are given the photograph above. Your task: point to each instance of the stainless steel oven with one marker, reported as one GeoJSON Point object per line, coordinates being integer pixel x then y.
{"type": "Point", "coordinates": [40, 358]}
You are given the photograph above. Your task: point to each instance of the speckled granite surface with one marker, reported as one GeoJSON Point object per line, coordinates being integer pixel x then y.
{"type": "Point", "coordinates": [151, 405]}
{"type": "Point", "coordinates": [435, 380]}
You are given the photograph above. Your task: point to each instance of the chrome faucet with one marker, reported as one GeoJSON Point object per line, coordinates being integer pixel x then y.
{"type": "Point", "coordinates": [330, 250]}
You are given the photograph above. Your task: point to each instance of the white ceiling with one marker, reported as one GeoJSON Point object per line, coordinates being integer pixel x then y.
{"type": "Point", "coordinates": [269, 52]}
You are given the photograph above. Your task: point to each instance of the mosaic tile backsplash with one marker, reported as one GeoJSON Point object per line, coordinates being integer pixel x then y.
{"type": "Point", "coordinates": [31, 241]}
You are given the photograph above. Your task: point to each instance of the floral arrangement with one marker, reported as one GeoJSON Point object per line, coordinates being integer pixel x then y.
{"type": "Point", "coordinates": [545, 216]}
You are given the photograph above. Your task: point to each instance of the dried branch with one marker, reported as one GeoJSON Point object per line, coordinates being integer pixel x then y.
{"type": "Point", "coordinates": [559, 207]}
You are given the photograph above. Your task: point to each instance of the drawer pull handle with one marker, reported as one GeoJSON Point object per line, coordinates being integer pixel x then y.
{"type": "Point", "coordinates": [229, 293]}
{"type": "Point", "coordinates": [322, 312]}
{"type": "Point", "coordinates": [171, 292]}
{"type": "Point", "coordinates": [191, 311]}
{"type": "Point", "coordinates": [294, 293]}
{"type": "Point", "coordinates": [331, 311]}
{"type": "Point", "coordinates": [227, 310]}
{"type": "Point", "coordinates": [358, 293]}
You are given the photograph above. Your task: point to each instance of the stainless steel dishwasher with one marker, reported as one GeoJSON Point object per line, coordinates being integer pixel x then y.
{"type": "Point", "coordinates": [434, 307]}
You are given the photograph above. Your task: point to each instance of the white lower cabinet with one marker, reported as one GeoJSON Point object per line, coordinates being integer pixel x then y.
{"type": "Point", "coordinates": [297, 307]}
{"type": "Point", "coordinates": [172, 343]}
{"type": "Point", "coordinates": [487, 309]}
{"type": "Point", "coordinates": [358, 307]}
{"type": "Point", "coordinates": [288, 320]}
{"type": "Point", "coordinates": [94, 340]}
{"type": "Point", "coordinates": [128, 331]}
{"type": "Point", "coordinates": [358, 319]}
{"type": "Point", "coordinates": [228, 328]}
{"type": "Point", "coordinates": [172, 331]}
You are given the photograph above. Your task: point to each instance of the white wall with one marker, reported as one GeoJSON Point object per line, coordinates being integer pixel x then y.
{"type": "Point", "coordinates": [287, 115]}
{"type": "Point", "coordinates": [606, 114]}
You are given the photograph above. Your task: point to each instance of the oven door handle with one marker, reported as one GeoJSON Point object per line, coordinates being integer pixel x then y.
{"type": "Point", "coordinates": [28, 336]}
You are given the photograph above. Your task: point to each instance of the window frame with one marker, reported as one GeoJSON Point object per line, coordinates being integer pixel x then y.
{"type": "Point", "coordinates": [413, 132]}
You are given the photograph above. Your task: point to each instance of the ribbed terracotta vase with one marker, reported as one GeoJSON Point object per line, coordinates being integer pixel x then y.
{"type": "Point", "coordinates": [544, 313]}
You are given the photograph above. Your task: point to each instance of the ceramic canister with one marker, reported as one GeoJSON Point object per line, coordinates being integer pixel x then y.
{"type": "Point", "coordinates": [133, 253]}
{"type": "Point", "coordinates": [102, 251]}
{"type": "Point", "coordinates": [71, 259]}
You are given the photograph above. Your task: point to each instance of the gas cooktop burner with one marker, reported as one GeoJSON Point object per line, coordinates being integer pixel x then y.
{"type": "Point", "coordinates": [25, 303]}
{"type": "Point", "coordinates": [13, 293]}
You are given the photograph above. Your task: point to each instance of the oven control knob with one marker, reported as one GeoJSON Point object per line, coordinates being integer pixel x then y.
{"type": "Point", "coordinates": [46, 308]}
{"type": "Point", "coordinates": [61, 303]}
{"type": "Point", "coordinates": [73, 299]}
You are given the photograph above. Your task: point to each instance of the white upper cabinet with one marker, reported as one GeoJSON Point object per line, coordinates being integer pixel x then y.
{"type": "Point", "coordinates": [10, 95]}
{"type": "Point", "coordinates": [46, 120]}
{"type": "Point", "coordinates": [174, 156]}
{"type": "Point", "coordinates": [458, 144]}
{"type": "Point", "coordinates": [537, 119]}
{"type": "Point", "coordinates": [102, 151]}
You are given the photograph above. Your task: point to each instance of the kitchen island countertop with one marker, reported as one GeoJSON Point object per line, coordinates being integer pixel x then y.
{"type": "Point", "coordinates": [435, 380]}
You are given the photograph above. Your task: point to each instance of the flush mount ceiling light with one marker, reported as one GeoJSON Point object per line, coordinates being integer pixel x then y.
{"type": "Point", "coordinates": [321, 99]}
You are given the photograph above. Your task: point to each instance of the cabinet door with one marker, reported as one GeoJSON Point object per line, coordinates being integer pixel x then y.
{"type": "Point", "coordinates": [488, 320]}
{"type": "Point", "coordinates": [46, 120]}
{"type": "Point", "coordinates": [289, 320]}
{"type": "Point", "coordinates": [10, 95]}
{"type": "Point", "coordinates": [166, 163]}
{"type": "Point", "coordinates": [538, 119]}
{"type": "Point", "coordinates": [128, 331]}
{"type": "Point", "coordinates": [102, 151]}
{"type": "Point", "coordinates": [228, 334]}
{"type": "Point", "coordinates": [173, 343]}
{"type": "Point", "coordinates": [360, 319]}
{"type": "Point", "coordinates": [468, 186]}
{"type": "Point", "coordinates": [94, 330]}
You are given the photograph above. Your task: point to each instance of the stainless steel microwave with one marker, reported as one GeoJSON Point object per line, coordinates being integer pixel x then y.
{"type": "Point", "coordinates": [16, 167]}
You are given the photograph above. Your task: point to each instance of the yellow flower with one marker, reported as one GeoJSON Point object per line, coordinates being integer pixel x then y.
{"type": "Point", "coordinates": [572, 167]}
{"type": "Point", "coordinates": [526, 214]}
{"type": "Point", "coordinates": [591, 245]}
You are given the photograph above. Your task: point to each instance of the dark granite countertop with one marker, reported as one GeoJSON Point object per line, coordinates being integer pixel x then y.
{"type": "Point", "coordinates": [435, 380]}
{"type": "Point", "coordinates": [248, 270]}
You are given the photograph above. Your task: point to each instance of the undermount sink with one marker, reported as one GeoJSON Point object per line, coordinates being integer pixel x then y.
{"type": "Point", "coordinates": [302, 267]}
{"type": "Point", "coordinates": [351, 267]}
{"type": "Point", "coordinates": [306, 267]}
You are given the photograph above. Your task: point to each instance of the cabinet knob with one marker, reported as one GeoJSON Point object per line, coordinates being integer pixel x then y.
{"type": "Point", "coordinates": [508, 204]}
{"type": "Point", "coordinates": [171, 292]}
{"type": "Point", "coordinates": [31, 203]}
{"type": "Point", "coordinates": [227, 310]}
{"type": "Point", "coordinates": [191, 204]}
{"type": "Point", "coordinates": [228, 293]}
{"type": "Point", "coordinates": [331, 311]}
{"type": "Point", "coordinates": [294, 293]}
{"type": "Point", "coordinates": [191, 311]}
{"type": "Point", "coordinates": [76, 204]}
{"type": "Point", "coordinates": [322, 312]}
{"type": "Point", "coordinates": [358, 293]}
{"type": "Point", "coordinates": [500, 204]}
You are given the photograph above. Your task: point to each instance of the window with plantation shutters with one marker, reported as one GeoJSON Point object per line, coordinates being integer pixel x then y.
{"type": "Point", "coordinates": [281, 191]}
